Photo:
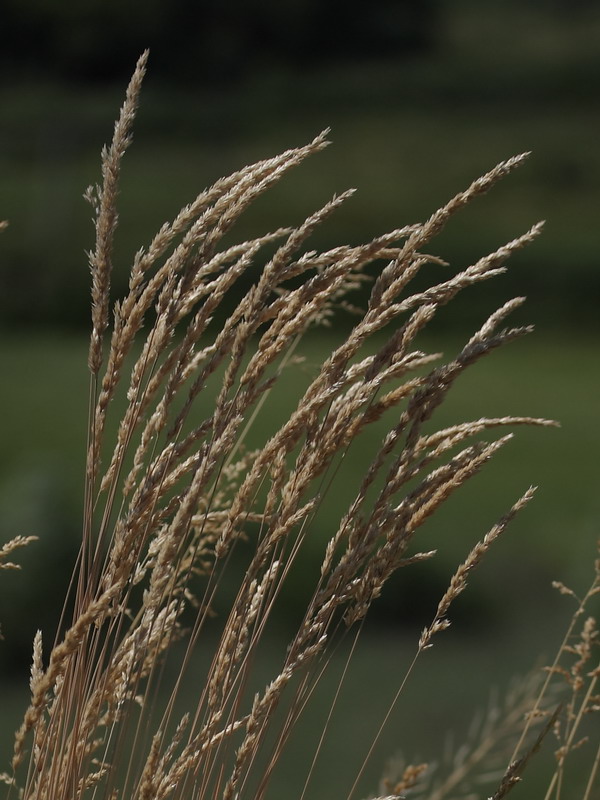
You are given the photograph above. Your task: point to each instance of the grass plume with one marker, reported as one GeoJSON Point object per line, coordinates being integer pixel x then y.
{"type": "Point", "coordinates": [177, 497]}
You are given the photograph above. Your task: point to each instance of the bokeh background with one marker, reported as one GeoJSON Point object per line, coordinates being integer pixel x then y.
{"type": "Point", "coordinates": [421, 96]}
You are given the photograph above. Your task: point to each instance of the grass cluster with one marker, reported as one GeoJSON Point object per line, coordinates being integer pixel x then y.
{"type": "Point", "coordinates": [183, 496]}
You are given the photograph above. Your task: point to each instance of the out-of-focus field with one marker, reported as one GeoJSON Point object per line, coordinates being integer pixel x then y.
{"type": "Point", "coordinates": [508, 617]}
{"type": "Point", "coordinates": [45, 399]}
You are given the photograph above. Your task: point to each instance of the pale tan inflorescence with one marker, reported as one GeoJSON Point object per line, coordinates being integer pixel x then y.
{"type": "Point", "coordinates": [177, 491]}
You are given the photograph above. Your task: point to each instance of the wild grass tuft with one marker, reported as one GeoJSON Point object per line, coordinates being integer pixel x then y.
{"type": "Point", "coordinates": [179, 500]}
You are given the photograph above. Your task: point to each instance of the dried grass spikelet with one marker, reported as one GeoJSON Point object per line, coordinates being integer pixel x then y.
{"type": "Point", "coordinates": [575, 671]}
{"type": "Point", "coordinates": [14, 544]}
{"type": "Point", "coordinates": [476, 760]}
{"type": "Point", "coordinates": [178, 491]}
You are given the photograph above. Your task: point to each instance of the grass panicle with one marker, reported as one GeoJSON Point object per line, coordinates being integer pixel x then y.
{"type": "Point", "coordinates": [188, 489]}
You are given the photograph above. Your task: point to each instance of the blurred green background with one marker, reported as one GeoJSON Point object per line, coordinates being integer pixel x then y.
{"type": "Point", "coordinates": [422, 97]}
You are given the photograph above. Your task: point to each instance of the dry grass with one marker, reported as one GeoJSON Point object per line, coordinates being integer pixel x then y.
{"type": "Point", "coordinates": [168, 503]}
